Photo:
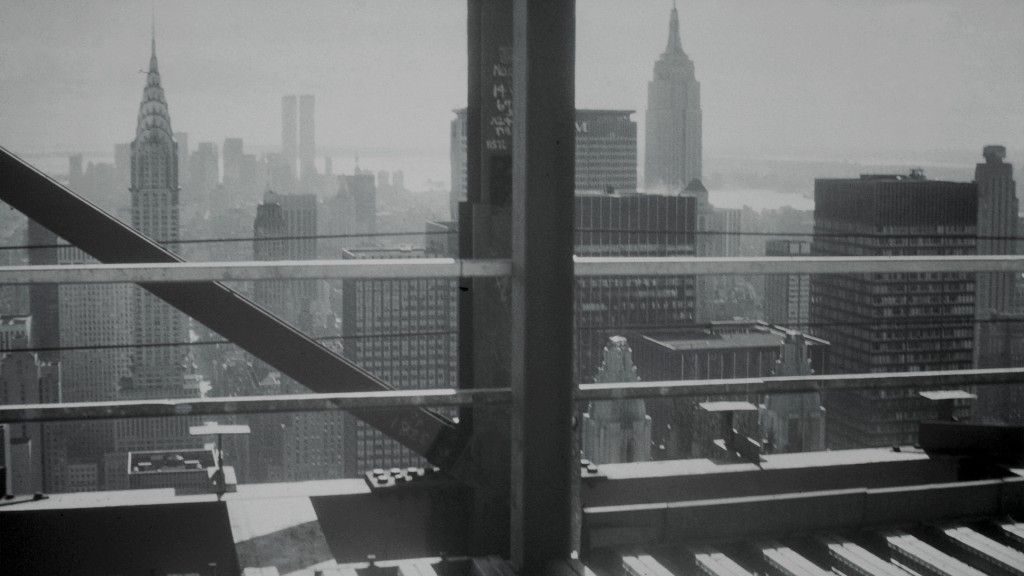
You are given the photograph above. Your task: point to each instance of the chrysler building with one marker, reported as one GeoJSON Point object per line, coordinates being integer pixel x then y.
{"type": "Point", "coordinates": [154, 192]}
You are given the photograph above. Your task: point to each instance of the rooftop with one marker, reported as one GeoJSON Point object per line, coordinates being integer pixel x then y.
{"type": "Point", "coordinates": [687, 342]}
{"type": "Point", "coordinates": [301, 527]}
{"type": "Point", "coordinates": [169, 461]}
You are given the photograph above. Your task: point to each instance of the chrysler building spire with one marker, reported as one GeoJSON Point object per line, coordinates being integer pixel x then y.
{"type": "Point", "coordinates": [154, 72]}
{"type": "Point", "coordinates": [153, 112]}
{"type": "Point", "coordinates": [152, 37]}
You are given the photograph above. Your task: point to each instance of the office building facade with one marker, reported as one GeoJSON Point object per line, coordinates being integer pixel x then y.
{"type": "Point", "coordinates": [891, 322]}
{"type": "Point", "coordinates": [630, 225]}
{"type": "Point", "coordinates": [43, 298]}
{"type": "Point", "coordinates": [25, 378]}
{"type": "Point", "coordinates": [605, 151]}
{"type": "Point", "coordinates": [787, 296]}
{"type": "Point", "coordinates": [403, 331]}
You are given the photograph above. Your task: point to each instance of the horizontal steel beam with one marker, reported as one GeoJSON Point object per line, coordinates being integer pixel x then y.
{"type": "Point", "coordinates": [942, 379]}
{"type": "Point", "coordinates": [244, 271]}
{"type": "Point", "coordinates": [24, 413]}
{"type": "Point", "coordinates": [467, 397]}
{"type": "Point", "coordinates": [775, 515]}
{"type": "Point", "coordinates": [682, 265]}
{"type": "Point", "coordinates": [452, 268]}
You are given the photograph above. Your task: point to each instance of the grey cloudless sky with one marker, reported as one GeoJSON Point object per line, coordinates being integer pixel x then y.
{"type": "Point", "coordinates": [835, 77]}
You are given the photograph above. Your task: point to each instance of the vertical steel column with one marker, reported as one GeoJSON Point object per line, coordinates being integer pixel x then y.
{"type": "Point", "coordinates": [544, 34]}
{"type": "Point", "coordinates": [485, 232]}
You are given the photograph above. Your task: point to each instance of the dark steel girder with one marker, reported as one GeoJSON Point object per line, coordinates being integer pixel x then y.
{"type": "Point", "coordinates": [223, 310]}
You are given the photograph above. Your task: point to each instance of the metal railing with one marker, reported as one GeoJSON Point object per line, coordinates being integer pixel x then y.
{"type": "Point", "coordinates": [934, 380]}
{"type": "Point", "coordinates": [454, 268]}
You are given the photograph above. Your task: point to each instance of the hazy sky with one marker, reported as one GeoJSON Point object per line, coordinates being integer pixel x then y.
{"type": "Point", "coordinates": [778, 77]}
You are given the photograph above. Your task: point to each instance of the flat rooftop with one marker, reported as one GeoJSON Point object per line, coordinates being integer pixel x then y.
{"type": "Point", "coordinates": [691, 342]}
{"type": "Point", "coordinates": [164, 461]}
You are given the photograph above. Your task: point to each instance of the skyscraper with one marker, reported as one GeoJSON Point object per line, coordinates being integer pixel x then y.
{"type": "Point", "coordinates": [269, 224]}
{"type": "Point", "coordinates": [307, 137]}
{"type": "Point", "coordinates": [630, 224]}
{"type": "Point", "coordinates": [892, 322]}
{"type": "Point", "coordinates": [204, 173]}
{"type": "Point", "coordinates": [156, 371]}
{"type": "Point", "coordinates": [457, 155]}
{"type": "Point", "coordinates": [674, 150]}
{"type": "Point", "coordinates": [787, 296]}
{"type": "Point", "coordinates": [183, 157]}
{"type": "Point", "coordinates": [93, 314]}
{"type": "Point", "coordinates": [999, 326]}
{"type": "Point", "coordinates": [233, 154]}
{"type": "Point", "coordinates": [404, 332]}
{"type": "Point", "coordinates": [154, 194]}
{"type": "Point", "coordinates": [617, 430]}
{"type": "Point", "coordinates": [27, 379]}
{"type": "Point", "coordinates": [290, 131]}
{"type": "Point", "coordinates": [605, 150]}
{"type": "Point", "coordinates": [287, 215]}
{"type": "Point", "coordinates": [291, 446]}
{"type": "Point", "coordinates": [123, 162]}
{"type": "Point", "coordinates": [363, 203]}
{"type": "Point", "coordinates": [997, 228]}
{"type": "Point", "coordinates": [42, 298]}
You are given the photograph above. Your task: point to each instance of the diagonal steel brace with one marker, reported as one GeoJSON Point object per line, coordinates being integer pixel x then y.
{"type": "Point", "coordinates": [223, 310]}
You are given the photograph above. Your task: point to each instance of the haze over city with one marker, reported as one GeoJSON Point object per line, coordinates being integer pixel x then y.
{"type": "Point", "coordinates": [864, 81]}
{"type": "Point", "coordinates": [495, 287]}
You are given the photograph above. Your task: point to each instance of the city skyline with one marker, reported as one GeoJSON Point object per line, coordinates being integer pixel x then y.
{"type": "Point", "coordinates": [823, 87]}
{"type": "Point", "coordinates": [579, 360]}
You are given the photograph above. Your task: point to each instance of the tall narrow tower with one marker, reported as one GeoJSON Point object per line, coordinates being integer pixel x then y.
{"type": "Point", "coordinates": [290, 132]}
{"type": "Point", "coordinates": [307, 136]}
{"type": "Point", "coordinates": [154, 190]}
{"type": "Point", "coordinates": [674, 152]}
{"type": "Point", "coordinates": [997, 229]}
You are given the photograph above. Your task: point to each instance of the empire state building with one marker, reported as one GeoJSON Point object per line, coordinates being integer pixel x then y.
{"type": "Point", "coordinates": [154, 195]}
{"type": "Point", "coordinates": [674, 152]}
